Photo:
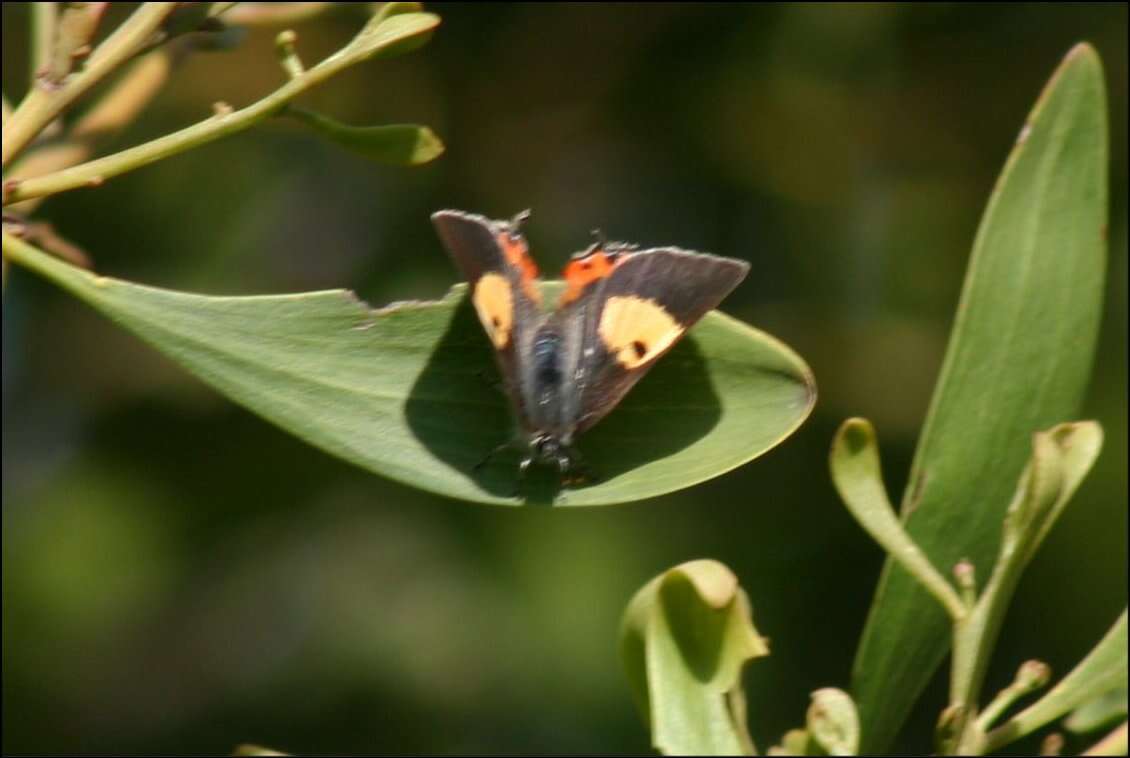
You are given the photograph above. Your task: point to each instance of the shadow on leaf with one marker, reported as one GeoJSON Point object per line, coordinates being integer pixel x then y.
{"type": "Point", "coordinates": [459, 411]}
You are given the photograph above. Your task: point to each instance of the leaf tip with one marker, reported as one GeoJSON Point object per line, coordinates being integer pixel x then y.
{"type": "Point", "coordinates": [854, 435]}
{"type": "Point", "coordinates": [1082, 51]}
{"type": "Point", "coordinates": [833, 721]}
{"type": "Point", "coordinates": [713, 581]}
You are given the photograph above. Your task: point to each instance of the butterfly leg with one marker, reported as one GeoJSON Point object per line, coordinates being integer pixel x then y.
{"type": "Point", "coordinates": [523, 469]}
{"type": "Point", "coordinates": [486, 459]}
{"type": "Point", "coordinates": [574, 470]}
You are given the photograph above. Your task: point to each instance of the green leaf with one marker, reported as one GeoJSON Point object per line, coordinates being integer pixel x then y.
{"type": "Point", "coordinates": [1094, 714]}
{"type": "Point", "coordinates": [1019, 359]}
{"type": "Point", "coordinates": [249, 749]}
{"type": "Point", "coordinates": [393, 9]}
{"type": "Point", "coordinates": [1104, 668]}
{"type": "Point", "coordinates": [1061, 458]}
{"type": "Point", "coordinates": [685, 637]}
{"type": "Point", "coordinates": [834, 722]}
{"type": "Point", "coordinates": [392, 32]}
{"type": "Point", "coordinates": [859, 480]}
{"type": "Point", "coordinates": [794, 742]}
{"type": "Point", "coordinates": [1114, 743]}
{"type": "Point", "coordinates": [398, 144]}
{"type": "Point", "coordinates": [406, 391]}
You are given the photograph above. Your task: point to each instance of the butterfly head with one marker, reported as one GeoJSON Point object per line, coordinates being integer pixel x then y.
{"type": "Point", "coordinates": [547, 447]}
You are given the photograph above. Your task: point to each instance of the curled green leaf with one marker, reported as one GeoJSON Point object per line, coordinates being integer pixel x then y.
{"type": "Point", "coordinates": [409, 391]}
{"type": "Point", "coordinates": [859, 480]}
{"type": "Point", "coordinates": [1061, 458]}
{"type": "Point", "coordinates": [685, 637]}
{"type": "Point", "coordinates": [834, 722]}
{"type": "Point", "coordinates": [397, 144]}
{"type": "Point", "coordinates": [794, 742]}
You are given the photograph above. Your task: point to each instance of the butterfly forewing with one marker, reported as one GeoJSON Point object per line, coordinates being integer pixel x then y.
{"type": "Point", "coordinates": [502, 278]}
{"type": "Point", "coordinates": [638, 312]}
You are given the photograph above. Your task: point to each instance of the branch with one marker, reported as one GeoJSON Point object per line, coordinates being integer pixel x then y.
{"type": "Point", "coordinates": [45, 102]}
{"type": "Point", "coordinates": [387, 35]}
{"type": "Point", "coordinates": [111, 113]}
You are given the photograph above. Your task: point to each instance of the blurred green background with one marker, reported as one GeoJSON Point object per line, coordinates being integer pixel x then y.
{"type": "Point", "coordinates": [180, 576]}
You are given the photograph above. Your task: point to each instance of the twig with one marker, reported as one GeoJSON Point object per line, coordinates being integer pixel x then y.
{"type": "Point", "coordinates": [367, 43]}
{"type": "Point", "coordinates": [112, 112]}
{"type": "Point", "coordinates": [45, 102]}
{"type": "Point", "coordinates": [44, 17]}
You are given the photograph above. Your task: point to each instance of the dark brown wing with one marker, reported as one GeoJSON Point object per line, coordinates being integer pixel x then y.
{"type": "Point", "coordinates": [503, 286]}
{"type": "Point", "coordinates": [638, 311]}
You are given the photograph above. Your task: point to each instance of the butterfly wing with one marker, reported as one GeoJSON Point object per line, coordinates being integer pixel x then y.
{"type": "Point", "coordinates": [502, 278]}
{"type": "Point", "coordinates": [636, 306]}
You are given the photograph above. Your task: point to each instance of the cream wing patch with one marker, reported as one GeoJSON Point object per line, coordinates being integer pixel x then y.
{"type": "Point", "coordinates": [494, 303]}
{"type": "Point", "coordinates": [635, 330]}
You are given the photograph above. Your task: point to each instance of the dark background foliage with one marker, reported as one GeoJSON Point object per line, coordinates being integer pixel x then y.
{"type": "Point", "coordinates": [179, 576]}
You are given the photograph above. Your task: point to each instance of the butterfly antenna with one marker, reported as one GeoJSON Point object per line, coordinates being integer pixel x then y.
{"type": "Point", "coordinates": [519, 221]}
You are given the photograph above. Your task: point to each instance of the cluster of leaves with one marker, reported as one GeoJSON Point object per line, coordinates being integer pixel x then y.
{"type": "Point", "coordinates": [1018, 361]}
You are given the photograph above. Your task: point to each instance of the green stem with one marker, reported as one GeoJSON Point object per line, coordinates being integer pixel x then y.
{"type": "Point", "coordinates": [1030, 677]}
{"type": "Point", "coordinates": [974, 638]}
{"type": "Point", "coordinates": [43, 19]}
{"type": "Point", "coordinates": [219, 125]}
{"type": "Point", "coordinates": [1101, 670]}
{"type": "Point", "coordinates": [44, 103]}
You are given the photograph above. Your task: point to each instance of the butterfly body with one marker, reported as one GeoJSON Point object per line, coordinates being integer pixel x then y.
{"type": "Point", "coordinates": [622, 308]}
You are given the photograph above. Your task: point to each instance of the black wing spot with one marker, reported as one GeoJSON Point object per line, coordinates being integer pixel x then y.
{"type": "Point", "coordinates": [640, 349]}
{"type": "Point", "coordinates": [495, 321]}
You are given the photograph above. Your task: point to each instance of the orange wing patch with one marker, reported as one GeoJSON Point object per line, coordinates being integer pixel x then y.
{"type": "Point", "coordinates": [635, 330]}
{"type": "Point", "coordinates": [581, 272]}
{"type": "Point", "coordinates": [495, 305]}
{"type": "Point", "coordinates": [518, 254]}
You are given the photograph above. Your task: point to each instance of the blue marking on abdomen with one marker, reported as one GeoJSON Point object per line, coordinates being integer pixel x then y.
{"type": "Point", "coordinates": [547, 368]}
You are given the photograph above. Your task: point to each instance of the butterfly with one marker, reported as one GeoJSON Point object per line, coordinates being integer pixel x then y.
{"type": "Point", "coordinates": [622, 308]}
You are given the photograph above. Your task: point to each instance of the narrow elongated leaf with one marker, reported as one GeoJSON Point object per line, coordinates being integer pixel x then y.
{"type": "Point", "coordinates": [409, 391]}
{"type": "Point", "coordinates": [1019, 359]}
{"type": "Point", "coordinates": [1104, 668]}
{"type": "Point", "coordinates": [685, 638]}
{"type": "Point", "coordinates": [1105, 710]}
{"type": "Point", "coordinates": [398, 144]}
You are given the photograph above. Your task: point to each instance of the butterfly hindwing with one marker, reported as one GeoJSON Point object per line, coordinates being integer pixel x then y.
{"type": "Point", "coordinates": [638, 309]}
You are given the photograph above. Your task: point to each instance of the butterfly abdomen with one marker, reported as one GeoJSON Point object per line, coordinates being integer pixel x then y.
{"type": "Point", "coordinates": [547, 359]}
